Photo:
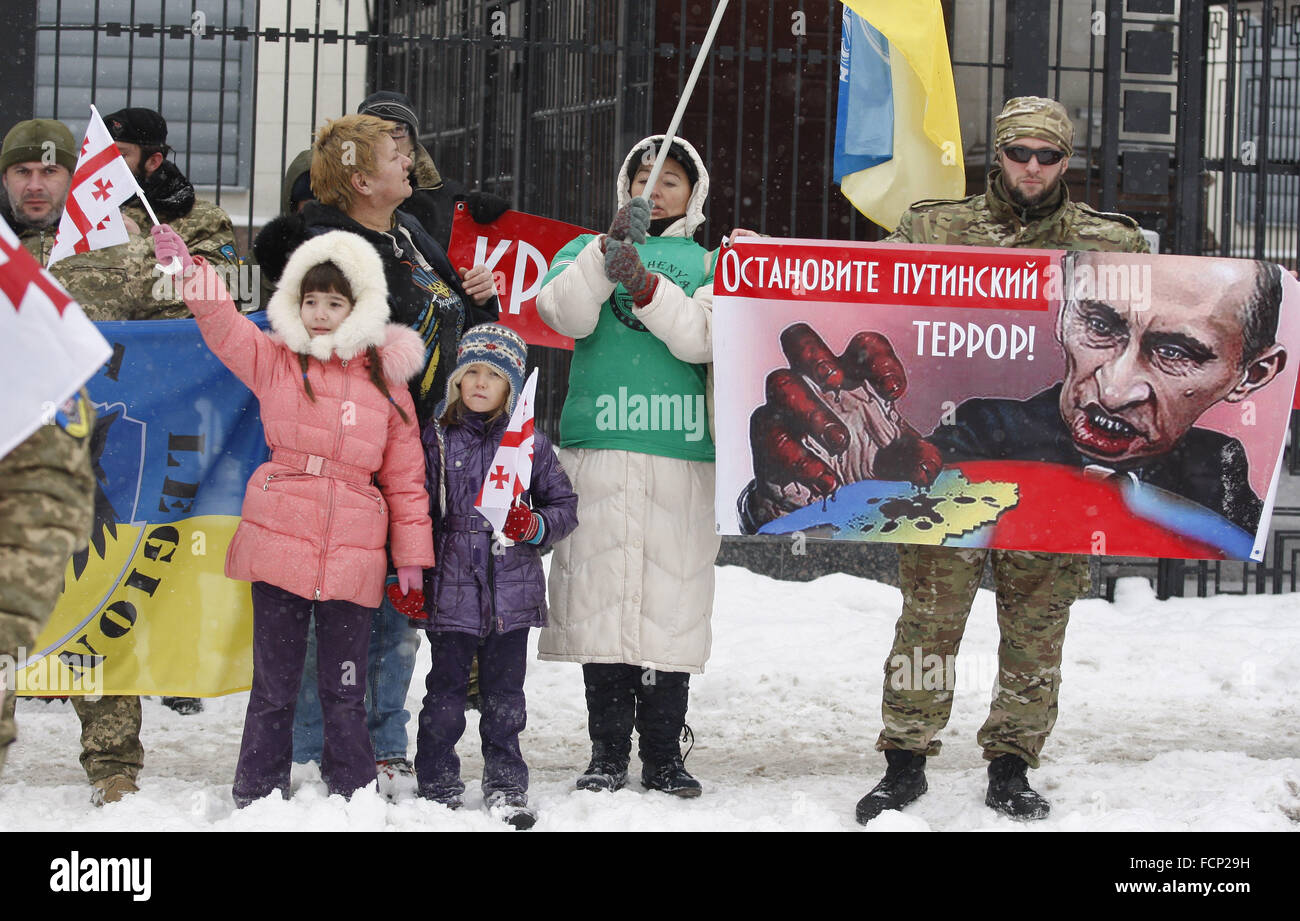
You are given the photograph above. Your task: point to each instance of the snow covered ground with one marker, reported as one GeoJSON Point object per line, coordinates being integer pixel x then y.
{"type": "Point", "coordinates": [1175, 715]}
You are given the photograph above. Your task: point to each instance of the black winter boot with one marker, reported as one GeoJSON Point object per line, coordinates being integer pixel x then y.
{"type": "Point", "coordinates": [903, 783]}
{"type": "Point", "coordinates": [1009, 791]}
{"type": "Point", "coordinates": [672, 777]}
{"type": "Point", "coordinates": [606, 771]}
{"type": "Point", "coordinates": [662, 699]}
{"type": "Point", "coordinates": [611, 712]}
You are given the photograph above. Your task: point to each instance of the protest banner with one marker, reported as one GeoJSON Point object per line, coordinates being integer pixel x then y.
{"type": "Point", "coordinates": [148, 604]}
{"type": "Point", "coordinates": [964, 396]}
{"type": "Point", "coordinates": [518, 248]}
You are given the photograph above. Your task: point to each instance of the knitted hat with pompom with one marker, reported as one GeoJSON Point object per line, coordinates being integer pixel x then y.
{"type": "Point", "coordinates": [497, 346]}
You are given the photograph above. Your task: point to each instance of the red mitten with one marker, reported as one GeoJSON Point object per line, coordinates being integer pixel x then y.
{"type": "Point", "coordinates": [411, 604]}
{"type": "Point", "coordinates": [522, 524]}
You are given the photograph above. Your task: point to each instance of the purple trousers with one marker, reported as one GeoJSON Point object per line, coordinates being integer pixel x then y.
{"type": "Point", "coordinates": [280, 621]}
{"type": "Point", "coordinates": [502, 659]}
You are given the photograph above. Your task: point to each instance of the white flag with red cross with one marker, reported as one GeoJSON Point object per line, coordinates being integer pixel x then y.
{"type": "Point", "coordinates": [511, 472]}
{"type": "Point", "coordinates": [48, 348]}
{"type": "Point", "coordinates": [101, 185]}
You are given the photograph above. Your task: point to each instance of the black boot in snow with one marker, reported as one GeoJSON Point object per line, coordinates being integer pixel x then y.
{"type": "Point", "coordinates": [672, 777]}
{"type": "Point", "coordinates": [903, 783]}
{"type": "Point", "coordinates": [511, 807]}
{"type": "Point", "coordinates": [611, 711]}
{"type": "Point", "coordinates": [1009, 791]}
{"type": "Point", "coordinates": [607, 771]}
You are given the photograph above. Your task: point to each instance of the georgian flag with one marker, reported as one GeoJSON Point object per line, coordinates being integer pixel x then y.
{"type": "Point", "coordinates": [48, 349]}
{"type": "Point", "coordinates": [101, 185]}
{"type": "Point", "coordinates": [511, 472]}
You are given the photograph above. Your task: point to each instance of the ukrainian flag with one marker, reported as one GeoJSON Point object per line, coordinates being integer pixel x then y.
{"type": "Point", "coordinates": [147, 608]}
{"type": "Point", "coordinates": [897, 135]}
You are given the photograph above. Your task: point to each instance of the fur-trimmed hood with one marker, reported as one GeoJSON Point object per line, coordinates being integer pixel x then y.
{"type": "Point", "coordinates": [694, 216]}
{"type": "Point", "coordinates": [423, 170]}
{"type": "Point", "coordinates": [365, 326]}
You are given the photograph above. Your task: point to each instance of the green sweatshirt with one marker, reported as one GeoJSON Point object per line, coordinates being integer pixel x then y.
{"type": "Point", "coordinates": [627, 392]}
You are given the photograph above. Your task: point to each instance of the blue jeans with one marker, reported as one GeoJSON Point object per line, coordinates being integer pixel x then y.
{"type": "Point", "coordinates": [390, 663]}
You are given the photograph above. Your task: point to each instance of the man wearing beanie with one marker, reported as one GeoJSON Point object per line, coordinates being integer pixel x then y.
{"type": "Point", "coordinates": [141, 135]}
{"type": "Point", "coordinates": [1025, 203]}
{"type": "Point", "coordinates": [433, 198]}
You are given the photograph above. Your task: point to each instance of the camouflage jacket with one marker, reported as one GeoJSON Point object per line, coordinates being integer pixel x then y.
{"type": "Point", "coordinates": [120, 282]}
{"type": "Point", "coordinates": [991, 219]}
{"type": "Point", "coordinates": [47, 494]}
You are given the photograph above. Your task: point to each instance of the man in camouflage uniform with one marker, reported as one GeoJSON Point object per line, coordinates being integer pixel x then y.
{"type": "Point", "coordinates": [46, 506]}
{"type": "Point", "coordinates": [117, 283]}
{"type": "Point", "coordinates": [1025, 204]}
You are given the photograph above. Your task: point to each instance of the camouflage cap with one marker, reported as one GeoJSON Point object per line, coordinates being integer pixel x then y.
{"type": "Point", "coordinates": [1034, 117]}
{"type": "Point", "coordinates": [36, 140]}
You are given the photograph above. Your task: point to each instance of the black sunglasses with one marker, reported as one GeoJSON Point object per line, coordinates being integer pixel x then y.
{"type": "Point", "coordinates": [1047, 156]}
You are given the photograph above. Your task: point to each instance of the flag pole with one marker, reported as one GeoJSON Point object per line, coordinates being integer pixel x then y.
{"type": "Point", "coordinates": [671, 134]}
{"type": "Point", "coordinates": [176, 263]}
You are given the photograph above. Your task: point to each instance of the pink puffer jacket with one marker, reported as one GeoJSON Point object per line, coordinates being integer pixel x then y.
{"type": "Point", "coordinates": [313, 521]}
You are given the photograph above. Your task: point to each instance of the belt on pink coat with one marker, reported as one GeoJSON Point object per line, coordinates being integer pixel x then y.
{"type": "Point", "coordinates": [316, 465]}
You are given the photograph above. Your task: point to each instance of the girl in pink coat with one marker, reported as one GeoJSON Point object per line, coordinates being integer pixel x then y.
{"type": "Point", "coordinates": [346, 476]}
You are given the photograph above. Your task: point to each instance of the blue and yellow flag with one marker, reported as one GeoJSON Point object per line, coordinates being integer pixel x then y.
{"type": "Point", "coordinates": [147, 609]}
{"type": "Point", "coordinates": [897, 134]}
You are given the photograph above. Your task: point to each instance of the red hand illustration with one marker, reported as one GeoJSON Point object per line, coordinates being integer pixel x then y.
{"type": "Point", "coordinates": [830, 420]}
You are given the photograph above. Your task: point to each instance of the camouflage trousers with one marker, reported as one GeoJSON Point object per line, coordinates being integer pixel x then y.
{"type": "Point", "coordinates": [1034, 593]}
{"type": "Point", "coordinates": [46, 497]}
{"type": "Point", "coordinates": [110, 736]}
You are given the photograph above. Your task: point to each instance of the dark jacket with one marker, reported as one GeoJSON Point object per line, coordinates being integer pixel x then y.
{"type": "Point", "coordinates": [470, 589]}
{"type": "Point", "coordinates": [433, 198]}
{"type": "Point", "coordinates": [1205, 466]}
{"type": "Point", "coordinates": [411, 287]}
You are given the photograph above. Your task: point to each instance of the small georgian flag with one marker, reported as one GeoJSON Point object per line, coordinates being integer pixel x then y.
{"type": "Point", "coordinates": [101, 185]}
{"type": "Point", "coordinates": [511, 471]}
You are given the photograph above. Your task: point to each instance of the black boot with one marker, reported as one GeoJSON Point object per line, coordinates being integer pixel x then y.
{"type": "Point", "coordinates": [1009, 791]}
{"type": "Point", "coordinates": [185, 706]}
{"type": "Point", "coordinates": [670, 776]}
{"type": "Point", "coordinates": [611, 711]}
{"type": "Point", "coordinates": [607, 771]}
{"type": "Point", "coordinates": [903, 783]}
{"type": "Point", "coordinates": [660, 720]}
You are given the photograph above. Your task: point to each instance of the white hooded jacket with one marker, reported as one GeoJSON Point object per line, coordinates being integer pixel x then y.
{"type": "Point", "coordinates": [634, 583]}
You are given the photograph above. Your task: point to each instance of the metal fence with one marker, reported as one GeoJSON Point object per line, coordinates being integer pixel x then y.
{"type": "Point", "coordinates": [1189, 113]}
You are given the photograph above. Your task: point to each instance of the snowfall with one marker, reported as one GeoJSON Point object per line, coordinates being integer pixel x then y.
{"type": "Point", "coordinates": [1178, 715]}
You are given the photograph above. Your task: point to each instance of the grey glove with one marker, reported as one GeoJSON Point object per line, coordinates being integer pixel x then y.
{"type": "Point", "coordinates": [631, 222]}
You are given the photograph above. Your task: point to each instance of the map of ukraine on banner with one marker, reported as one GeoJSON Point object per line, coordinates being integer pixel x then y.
{"type": "Point", "coordinates": [518, 248]}
{"type": "Point", "coordinates": [147, 605]}
{"type": "Point", "coordinates": [1119, 404]}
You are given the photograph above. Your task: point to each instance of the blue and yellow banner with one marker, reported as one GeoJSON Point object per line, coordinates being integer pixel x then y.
{"type": "Point", "coordinates": [146, 608]}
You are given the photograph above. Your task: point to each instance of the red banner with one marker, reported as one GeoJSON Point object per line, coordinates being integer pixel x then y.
{"type": "Point", "coordinates": [905, 276]}
{"type": "Point", "coordinates": [518, 248]}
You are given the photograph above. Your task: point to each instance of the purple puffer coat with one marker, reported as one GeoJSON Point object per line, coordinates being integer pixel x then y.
{"type": "Point", "coordinates": [457, 587]}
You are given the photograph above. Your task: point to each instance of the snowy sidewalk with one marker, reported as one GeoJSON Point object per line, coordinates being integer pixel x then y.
{"type": "Point", "coordinates": [1175, 715]}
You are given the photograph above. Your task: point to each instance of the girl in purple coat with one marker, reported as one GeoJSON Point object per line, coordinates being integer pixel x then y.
{"type": "Point", "coordinates": [483, 594]}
